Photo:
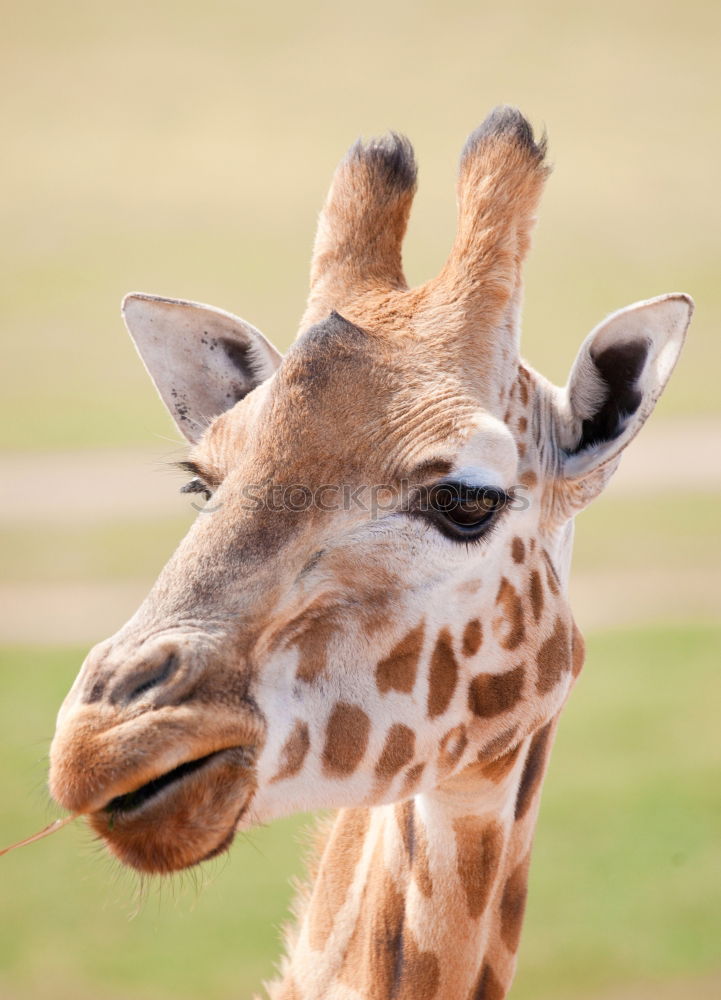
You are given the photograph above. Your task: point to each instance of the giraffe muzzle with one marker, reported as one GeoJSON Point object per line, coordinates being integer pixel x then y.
{"type": "Point", "coordinates": [162, 771]}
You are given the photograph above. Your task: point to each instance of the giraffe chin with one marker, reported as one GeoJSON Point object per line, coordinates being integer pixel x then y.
{"type": "Point", "coordinates": [181, 818]}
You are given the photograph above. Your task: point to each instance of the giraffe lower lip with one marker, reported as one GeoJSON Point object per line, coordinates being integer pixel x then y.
{"type": "Point", "coordinates": [181, 817]}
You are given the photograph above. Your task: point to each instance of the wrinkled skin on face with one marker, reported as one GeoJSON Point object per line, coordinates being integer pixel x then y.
{"type": "Point", "coordinates": [335, 644]}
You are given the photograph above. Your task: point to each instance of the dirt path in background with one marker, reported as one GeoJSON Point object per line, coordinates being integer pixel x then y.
{"type": "Point", "coordinates": [89, 487]}
{"type": "Point", "coordinates": [95, 485]}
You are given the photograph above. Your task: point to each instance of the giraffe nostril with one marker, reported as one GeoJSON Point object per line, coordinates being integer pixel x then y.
{"type": "Point", "coordinates": [153, 676]}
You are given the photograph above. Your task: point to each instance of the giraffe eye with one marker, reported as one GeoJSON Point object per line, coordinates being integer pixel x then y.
{"type": "Point", "coordinates": [464, 512]}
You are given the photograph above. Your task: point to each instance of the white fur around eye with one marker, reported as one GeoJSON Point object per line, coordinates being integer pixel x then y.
{"type": "Point", "coordinates": [489, 456]}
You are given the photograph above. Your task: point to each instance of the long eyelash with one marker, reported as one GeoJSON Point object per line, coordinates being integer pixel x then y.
{"type": "Point", "coordinates": [190, 467]}
{"type": "Point", "coordinates": [202, 482]}
{"type": "Point", "coordinates": [197, 486]}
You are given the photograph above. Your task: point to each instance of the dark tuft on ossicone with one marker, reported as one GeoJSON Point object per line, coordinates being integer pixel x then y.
{"type": "Point", "coordinates": [506, 122]}
{"type": "Point", "coordinates": [389, 159]}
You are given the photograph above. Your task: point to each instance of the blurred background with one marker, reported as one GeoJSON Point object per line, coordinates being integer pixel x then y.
{"type": "Point", "coordinates": [185, 149]}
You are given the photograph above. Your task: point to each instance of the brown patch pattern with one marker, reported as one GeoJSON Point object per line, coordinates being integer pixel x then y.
{"type": "Point", "coordinates": [488, 986]}
{"type": "Point", "coordinates": [535, 592]}
{"type": "Point", "coordinates": [513, 905]}
{"type": "Point", "coordinates": [491, 694]}
{"type": "Point", "coordinates": [518, 550]}
{"type": "Point", "coordinates": [496, 770]}
{"type": "Point", "coordinates": [554, 657]}
{"type": "Point", "coordinates": [472, 637]}
{"type": "Point", "coordinates": [498, 744]}
{"type": "Point", "coordinates": [451, 747]}
{"type": "Point", "coordinates": [397, 751]}
{"type": "Point", "coordinates": [412, 777]}
{"type": "Point", "coordinates": [551, 575]}
{"type": "Point", "coordinates": [294, 752]}
{"type": "Point", "coordinates": [512, 610]}
{"type": "Point", "coordinates": [312, 646]}
{"type": "Point", "coordinates": [346, 739]}
{"type": "Point", "coordinates": [533, 770]}
{"type": "Point", "coordinates": [416, 847]}
{"type": "Point", "coordinates": [383, 958]}
{"type": "Point", "coordinates": [528, 478]}
{"type": "Point", "coordinates": [398, 670]}
{"type": "Point", "coordinates": [443, 675]}
{"type": "Point", "coordinates": [479, 845]}
{"type": "Point", "coordinates": [340, 858]}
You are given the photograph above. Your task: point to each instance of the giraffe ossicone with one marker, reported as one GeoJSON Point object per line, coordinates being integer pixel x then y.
{"type": "Point", "coordinates": [373, 617]}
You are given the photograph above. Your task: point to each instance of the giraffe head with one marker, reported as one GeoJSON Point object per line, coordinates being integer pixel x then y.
{"type": "Point", "coordinates": [374, 597]}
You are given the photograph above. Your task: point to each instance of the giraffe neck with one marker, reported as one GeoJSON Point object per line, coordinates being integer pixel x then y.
{"type": "Point", "coordinates": [424, 899]}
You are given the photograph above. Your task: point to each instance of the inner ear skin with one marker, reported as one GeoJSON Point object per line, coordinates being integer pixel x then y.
{"type": "Point", "coordinates": [245, 360]}
{"type": "Point", "coordinates": [620, 367]}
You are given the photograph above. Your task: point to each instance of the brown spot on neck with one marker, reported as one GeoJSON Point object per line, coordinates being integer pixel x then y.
{"type": "Point", "coordinates": [491, 694]}
{"type": "Point", "coordinates": [498, 769]}
{"type": "Point", "coordinates": [511, 615]}
{"type": "Point", "coordinates": [443, 675]}
{"type": "Point", "coordinates": [554, 657]}
{"type": "Point", "coordinates": [533, 770]}
{"type": "Point", "coordinates": [472, 637]}
{"type": "Point", "coordinates": [346, 739]}
{"type": "Point", "coordinates": [488, 986]}
{"type": "Point", "coordinates": [528, 478]}
{"type": "Point", "coordinates": [412, 777]}
{"type": "Point", "coordinates": [551, 575]}
{"type": "Point", "coordinates": [294, 752]}
{"type": "Point", "coordinates": [518, 550]}
{"type": "Point", "coordinates": [383, 959]}
{"type": "Point", "coordinates": [498, 744]}
{"type": "Point", "coordinates": [513, 904]}
{"type": "Point", "coordinates": [312, 646]}
{"type": "Point", "coordinates": [451, 748]}
{"type": "Point", "coordinates": [578, 650]}
{"type": "Point", "coordinates": [397, 751]}
{"type": "Point", "coordinates": [415, 845]}
{"type": "Point", "coordinates": [469, 779]}
{"type": "Point", "coordinates": [397, 671]}
{"type": "Point", "coordinates": [535, 593]}
{"type": "Point", "coordinates": [479, 845]}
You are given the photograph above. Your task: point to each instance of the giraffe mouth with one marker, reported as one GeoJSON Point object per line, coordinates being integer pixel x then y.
{"type": "Point", "coordinates": [141, 796]}
{"type": "Point", "coordinates": [181, 817]}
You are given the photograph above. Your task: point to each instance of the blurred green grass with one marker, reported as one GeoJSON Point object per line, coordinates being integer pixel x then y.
{"type": "Point", "coordinates": [186, 150]}
{"type": "Point", "coordinates": [624, 887]}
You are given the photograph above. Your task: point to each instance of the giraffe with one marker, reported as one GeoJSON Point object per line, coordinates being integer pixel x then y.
{"type": "Point", "coordinates": [371, 615]}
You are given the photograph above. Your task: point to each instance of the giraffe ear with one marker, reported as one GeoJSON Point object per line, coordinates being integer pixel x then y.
{"type": "Point", "coordinates": [619, 374]}
{"type": "Point", "coordinates": [202, 360]}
